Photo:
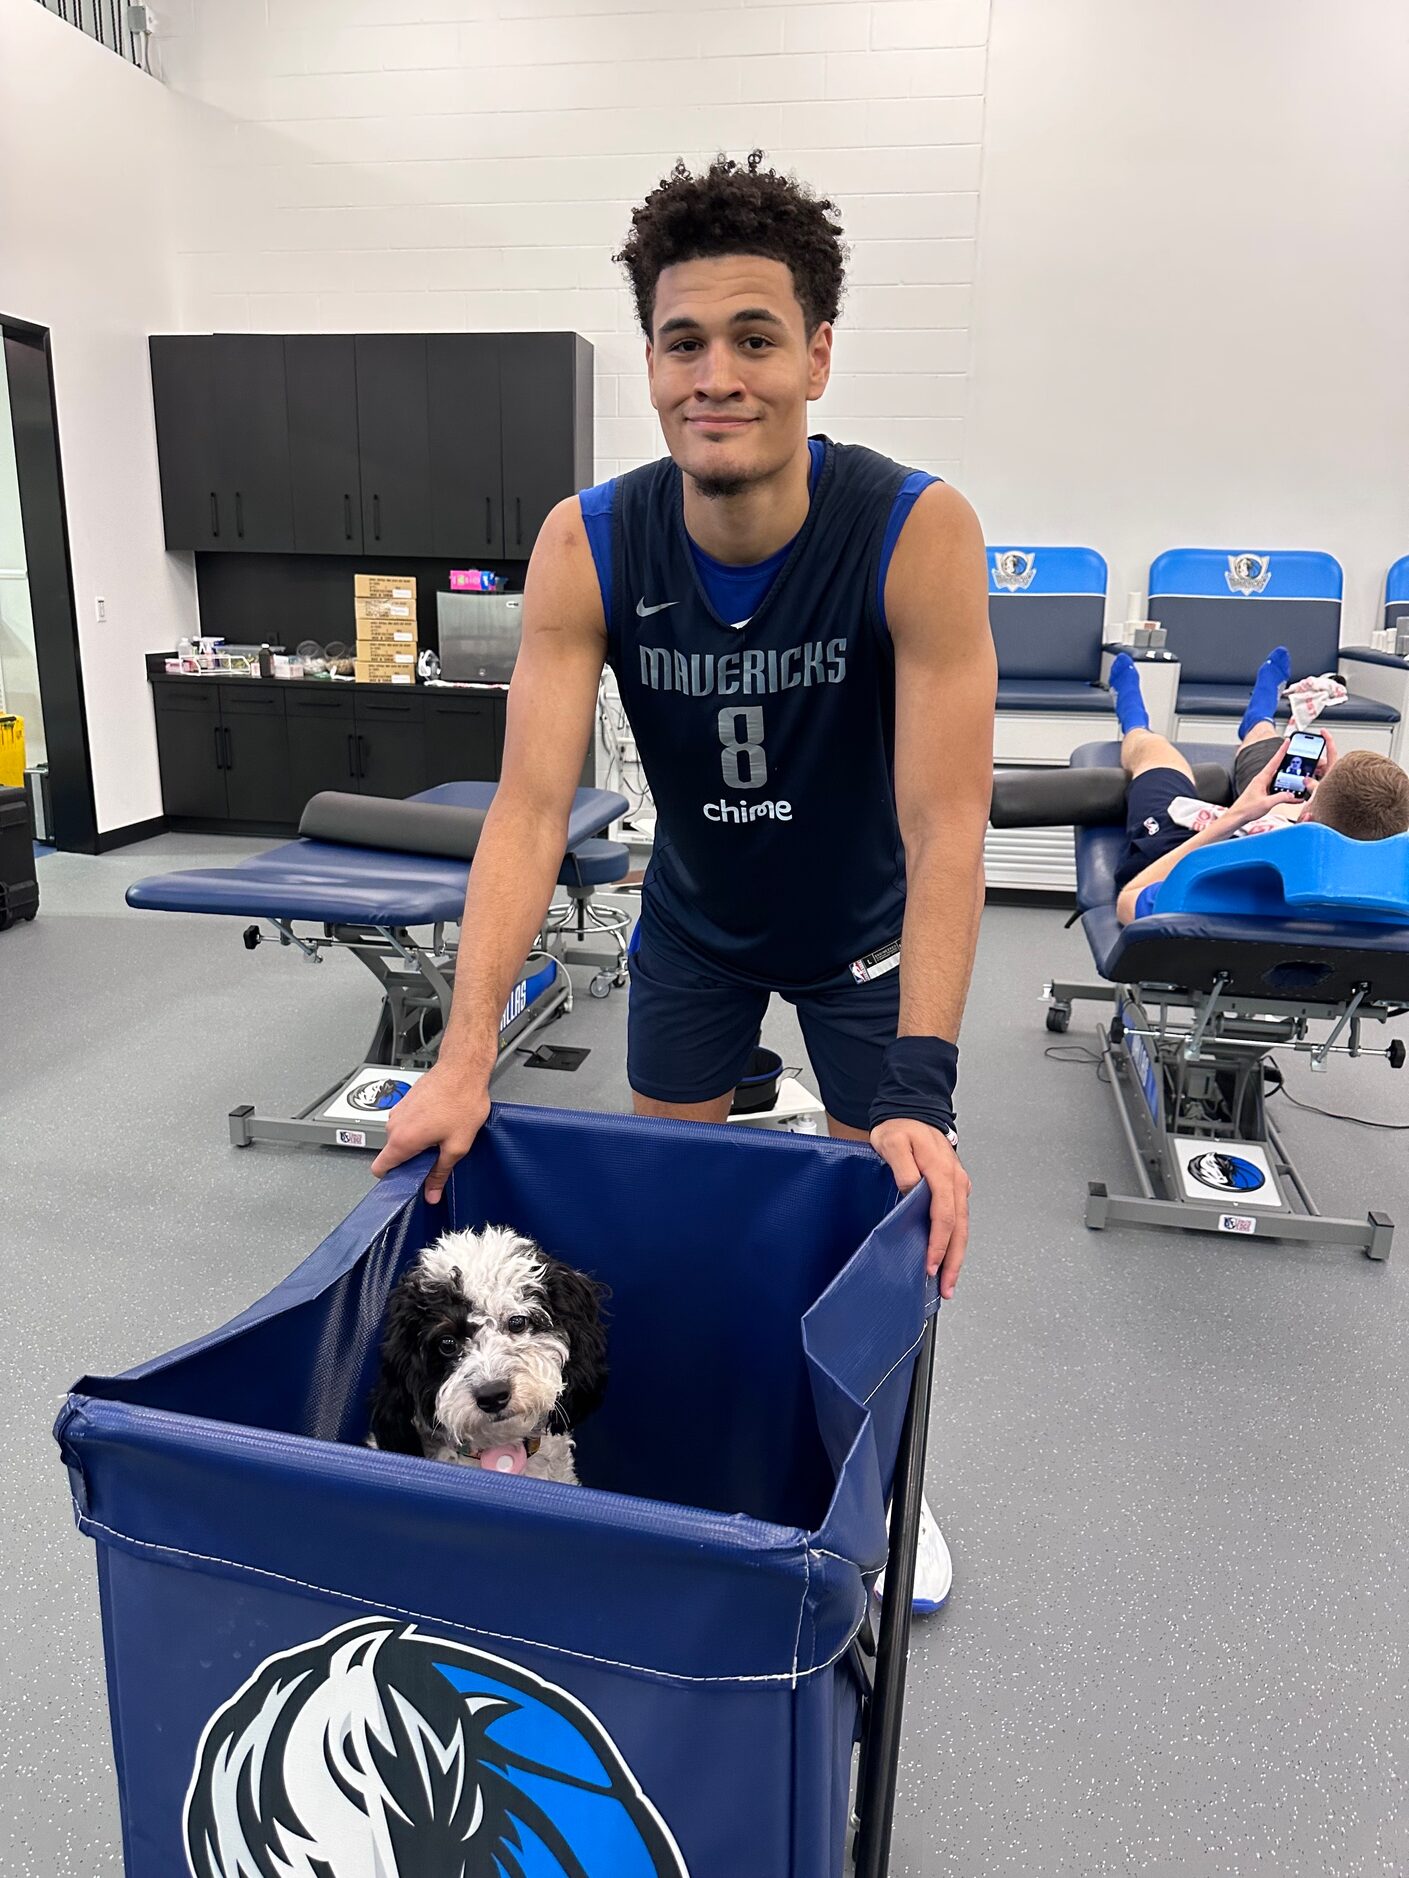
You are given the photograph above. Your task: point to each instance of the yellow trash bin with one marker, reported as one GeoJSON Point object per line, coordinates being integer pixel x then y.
{"type": "Point", "coordinates": [11, 751]}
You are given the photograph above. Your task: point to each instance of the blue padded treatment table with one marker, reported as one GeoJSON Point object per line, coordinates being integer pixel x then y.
{"type": "Point", "coordinates": [1308, 954]}
{"type": "Point", "coordinates": [1250, 943]}
{"type": "Point", "coordinates": [367, 874]}
{"type": "Point", "coordinates": [340, 884]}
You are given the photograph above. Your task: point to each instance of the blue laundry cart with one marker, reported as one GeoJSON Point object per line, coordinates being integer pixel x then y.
{"type": "Point", "coordinates": [331, 1662]}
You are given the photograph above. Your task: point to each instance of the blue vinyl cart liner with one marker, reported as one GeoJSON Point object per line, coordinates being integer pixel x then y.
{"type": "Point", "coordinates": [328, 1662]}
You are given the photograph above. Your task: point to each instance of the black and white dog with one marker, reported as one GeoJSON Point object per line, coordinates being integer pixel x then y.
{"type": "Point", "coordinates": [492, 1352]}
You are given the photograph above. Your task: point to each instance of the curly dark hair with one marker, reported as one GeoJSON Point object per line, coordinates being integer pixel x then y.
{"type": "Point", "coordinates": [734, 208]}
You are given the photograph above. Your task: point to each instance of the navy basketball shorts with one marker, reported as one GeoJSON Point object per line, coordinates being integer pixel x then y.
{"type": "Point", "coordinates": [692, 1027]}
{"type": "Point", "coordinates": [1149, 831]}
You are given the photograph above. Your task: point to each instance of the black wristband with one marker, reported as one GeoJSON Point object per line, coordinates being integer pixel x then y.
{"type": "Point", "coordinates": [917, 1081]}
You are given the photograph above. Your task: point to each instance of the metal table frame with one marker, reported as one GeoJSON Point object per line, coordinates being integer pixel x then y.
{"type": "Point", "coordinates": [1208, 1068]}
{"type": "Point", "coordinates": [418, 981]}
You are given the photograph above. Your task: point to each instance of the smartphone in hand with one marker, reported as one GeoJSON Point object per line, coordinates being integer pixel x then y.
{"type": "Point", "coordinates": [1297, 770]}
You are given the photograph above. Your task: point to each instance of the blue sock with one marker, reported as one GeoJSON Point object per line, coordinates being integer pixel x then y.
{"type": "Point", "coordinates": [1124, 681]}
{"type": "Point", "coordinates": [1272, 674]}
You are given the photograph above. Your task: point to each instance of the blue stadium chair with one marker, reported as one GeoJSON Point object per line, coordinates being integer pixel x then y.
{"type": "Point", "coordinates": [1223, 610]}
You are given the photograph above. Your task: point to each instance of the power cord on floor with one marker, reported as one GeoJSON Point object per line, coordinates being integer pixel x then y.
{"type": "Point", "coordinates": [1276, 1084]}
{"type": "Point", "coordinates": [1077, 1053]}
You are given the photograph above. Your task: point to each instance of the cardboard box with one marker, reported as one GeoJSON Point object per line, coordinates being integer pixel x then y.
{"type": "Point", "coordinates": [395, 635]}
{"type": "Point", "coordinates": [369, 672]}
{"type": "Point", "coordinates": [384, 587]}
{"type": "Point", "coordinates": [384, 609]}
{"type": "Point", "coordinates": [403, 657]}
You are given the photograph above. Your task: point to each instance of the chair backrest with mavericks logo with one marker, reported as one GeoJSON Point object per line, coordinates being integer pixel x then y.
{"type": "Point", "coordinates": [1397, 594]}
{"type": "Point", "coordinates": [1047, 608]}
{"type": "Point", "coordinates": [1223, 610]}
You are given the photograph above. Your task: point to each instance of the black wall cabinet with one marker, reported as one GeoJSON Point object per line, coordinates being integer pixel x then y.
{"type": "Point", "coordinates": [223, 442]}
{"type": "Point", "coordinates": [466, 444]}
{"type": "Point", "coordinates": [448, 444]}
{"type": "Point", "coordinates": [393, 427]}
{"type": "Point", "coordinates": [321, 374]}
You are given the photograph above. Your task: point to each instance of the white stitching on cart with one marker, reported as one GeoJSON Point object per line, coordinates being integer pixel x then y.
{"type": "Point", "coordinates": [820, 1551]}
{"type": "Point", "coordinates": [87, 1523]}
{"type": "Point", "coordinates": [895, 1366]}
{"type": "Point", "coordinates": [801, 1610]}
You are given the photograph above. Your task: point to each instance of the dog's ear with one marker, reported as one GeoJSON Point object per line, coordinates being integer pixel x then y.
{"type": "Point", "coordinates": [394, 1399]}
{"type": "Point", "coordinates": [575, 1303]}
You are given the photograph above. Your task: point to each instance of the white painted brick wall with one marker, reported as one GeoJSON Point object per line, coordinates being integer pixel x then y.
{"type": "Point", "coordinates": [444, 164]}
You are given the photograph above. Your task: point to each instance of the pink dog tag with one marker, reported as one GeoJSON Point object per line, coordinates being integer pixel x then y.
{"type": "Point", "coordinates": [510, 1460]}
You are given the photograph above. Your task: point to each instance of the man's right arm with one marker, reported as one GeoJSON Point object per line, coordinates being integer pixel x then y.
{"type": "Point", "coordinates": [552, 704]}
{"type": "Point", "coordinates": [1255, 801]}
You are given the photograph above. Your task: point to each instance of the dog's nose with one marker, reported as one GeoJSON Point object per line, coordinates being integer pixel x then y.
{"type": "Point", "coordinates": [493, 1399]}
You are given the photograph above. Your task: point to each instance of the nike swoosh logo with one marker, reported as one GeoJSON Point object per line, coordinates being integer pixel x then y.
{"type": "Point", "coordinates": [644, 612]}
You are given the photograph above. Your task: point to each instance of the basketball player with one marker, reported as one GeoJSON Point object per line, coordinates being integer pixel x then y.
{"type": "Point", "coordinates": [799, 631]}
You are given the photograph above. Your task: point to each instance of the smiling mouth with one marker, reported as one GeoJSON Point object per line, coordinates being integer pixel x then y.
{"type": "Point", "coordinates": [720, 423]}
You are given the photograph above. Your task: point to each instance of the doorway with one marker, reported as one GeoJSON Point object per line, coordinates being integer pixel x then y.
{"type": "Point", "coordinates": [40, 674]}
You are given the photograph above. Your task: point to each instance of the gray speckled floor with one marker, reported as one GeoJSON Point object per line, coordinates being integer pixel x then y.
{"type": "Point", "coordinates": [1172, 1470]}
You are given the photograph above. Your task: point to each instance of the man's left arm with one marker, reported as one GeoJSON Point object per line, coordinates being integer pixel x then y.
{"type": "Point", "coordinates": [945, 684]}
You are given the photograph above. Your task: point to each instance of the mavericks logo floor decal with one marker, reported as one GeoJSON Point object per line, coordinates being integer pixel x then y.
{"type": "Point", "coordinates": [377, 1752]}
{"type": "Point", "coordinates": [1227, 1173]}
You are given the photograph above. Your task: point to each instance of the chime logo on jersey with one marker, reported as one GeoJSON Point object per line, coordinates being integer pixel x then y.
{"type": "Point", "coordinates": [1228, 1173]}
{"type": "Point", "coordinates": [377, 1752]}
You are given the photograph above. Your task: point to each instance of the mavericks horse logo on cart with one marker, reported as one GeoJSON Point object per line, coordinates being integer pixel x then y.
{"type": "Point", "coordinates": [377, 1752]}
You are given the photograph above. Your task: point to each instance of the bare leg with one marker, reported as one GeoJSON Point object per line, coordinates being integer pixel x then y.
{"type": "Point", "coordinates": [840, 1131]}
{"type": "Point", "coordinates": [716, 1110]}
{"type": "Point", "coordinates": [1258, 733]}
{"type": "Point", "coordinates": [1146, 749]}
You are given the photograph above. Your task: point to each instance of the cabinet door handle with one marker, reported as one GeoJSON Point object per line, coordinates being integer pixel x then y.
{"type": "Point", "coordinates": [214, 516]}
{"type": "Point", "coordinates": [488, 522]}
{"type": "Point", "coordinates": [518, 521]}
{"type": "Point", "coordinates": [239, 515]}
{"type": "Point", "coordinates": [362, 757]}
{"type": "Point", "coordinates": [351, 755]}
{"type": "Point", "coordinates": [219, 749]}
{"type": "Point", "coordinates": [229, 748]}
{"type": "Point", "coordinates": [377, 517]}
{"type": "Point", "coordinates": [347, 516]}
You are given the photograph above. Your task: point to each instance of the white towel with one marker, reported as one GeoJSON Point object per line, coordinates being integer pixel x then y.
{"type": "Point", "coordinates": [1308, 697]}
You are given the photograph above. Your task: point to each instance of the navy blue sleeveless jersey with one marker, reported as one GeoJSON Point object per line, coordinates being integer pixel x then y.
{"type": "Point", "coordinates": [768, 742]}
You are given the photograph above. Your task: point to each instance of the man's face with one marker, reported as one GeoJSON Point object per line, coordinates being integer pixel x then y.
{"type": "Point", "coordinates": [732, 369]}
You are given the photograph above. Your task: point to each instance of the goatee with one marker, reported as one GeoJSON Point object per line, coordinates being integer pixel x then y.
{"type": "Point", "coordinates": [714, 488]}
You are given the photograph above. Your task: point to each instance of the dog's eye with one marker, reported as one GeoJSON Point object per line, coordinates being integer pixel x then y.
{"type": "Point", "coordinates": [517, 1325]}
{"type": "Point", "coordinates": [448, 1346]}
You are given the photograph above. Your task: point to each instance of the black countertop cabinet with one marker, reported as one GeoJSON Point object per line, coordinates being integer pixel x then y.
{"type": "Point", "coordinates": [238, 755]}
